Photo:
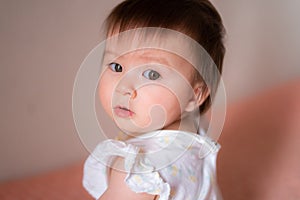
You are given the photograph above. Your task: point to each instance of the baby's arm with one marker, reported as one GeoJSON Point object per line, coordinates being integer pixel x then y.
{"type": "Point", "coordinates": [117, 188]}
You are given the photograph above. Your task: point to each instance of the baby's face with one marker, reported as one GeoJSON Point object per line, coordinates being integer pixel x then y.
{"type": "Point", "coordinates": [146, 89]}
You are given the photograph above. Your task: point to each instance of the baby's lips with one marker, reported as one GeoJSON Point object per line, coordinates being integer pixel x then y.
{"type": "Point", "coordinates": [123, 112]}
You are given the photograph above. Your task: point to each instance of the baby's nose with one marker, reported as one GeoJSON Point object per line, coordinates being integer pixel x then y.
{"type": "Point", "coordinates": [127, 90]}
{"type": "Point", "coordinates": [129, 83]}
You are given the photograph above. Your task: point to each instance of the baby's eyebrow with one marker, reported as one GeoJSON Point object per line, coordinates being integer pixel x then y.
{"type": "Point", "coordinates": [157, 59]}
{"type": "Point", "coordinates": [109, 55]}
{"type": "Point", "coordinates": [110, 52]}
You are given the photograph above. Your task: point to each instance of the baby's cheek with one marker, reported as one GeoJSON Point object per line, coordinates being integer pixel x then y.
{"type": "Point", "coordinates": [162, 99]}
{"type": "Point", "coordinates": [105, 98]}
{"type": "Point", "coordinates": [167, 98]}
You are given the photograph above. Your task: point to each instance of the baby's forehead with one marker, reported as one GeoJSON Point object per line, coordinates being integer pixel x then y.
{"type": "Point", "coordinates": [161, 48]}
{"type": "Point", "coordinates": [145, 53]}
{"type": "Point", "coordinates": [154, 39]}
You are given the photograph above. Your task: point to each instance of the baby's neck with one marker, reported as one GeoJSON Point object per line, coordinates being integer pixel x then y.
{"type": "Point", "coordinates": [185, 124]}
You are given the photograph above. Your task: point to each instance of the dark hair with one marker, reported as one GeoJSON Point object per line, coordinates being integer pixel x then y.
{"type": "Point", "coordinates": [196, 18]}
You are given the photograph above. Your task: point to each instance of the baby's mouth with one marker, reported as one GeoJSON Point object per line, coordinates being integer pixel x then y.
{"type": "Point", "coordinates": [123, 112]}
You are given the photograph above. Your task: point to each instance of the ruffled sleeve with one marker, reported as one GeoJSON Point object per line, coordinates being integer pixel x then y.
{"type": "Point", "coordinates": [145, 179]}
{"type": "Point", "coordinates": [141, 176]}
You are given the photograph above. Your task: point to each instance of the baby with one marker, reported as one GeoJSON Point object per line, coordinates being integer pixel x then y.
{"type": "Point", "coordinates": [161, 65]}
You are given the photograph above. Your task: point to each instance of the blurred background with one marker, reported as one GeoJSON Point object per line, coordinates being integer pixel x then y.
{"type": "Point", "coordinates": [43, 43]}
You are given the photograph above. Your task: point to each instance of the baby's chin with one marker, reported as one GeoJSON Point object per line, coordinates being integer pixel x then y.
{"type": "Point", "coordinates": [135, 130]}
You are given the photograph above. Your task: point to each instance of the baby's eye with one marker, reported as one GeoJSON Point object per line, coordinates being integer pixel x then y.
{"type": "Point", "coordinates": [116, 67]}
{"type": "Point", "coordinates": [151, 74]}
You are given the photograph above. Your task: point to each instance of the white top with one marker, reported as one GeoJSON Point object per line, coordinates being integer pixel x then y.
{"type": "Point", "coordinates": [173, 164]}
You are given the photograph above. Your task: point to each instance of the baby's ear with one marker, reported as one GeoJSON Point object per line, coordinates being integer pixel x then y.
{"type": "Point", "coordinates": [201, 92]}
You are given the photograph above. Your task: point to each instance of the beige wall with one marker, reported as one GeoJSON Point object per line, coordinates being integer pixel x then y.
{"type": "Point", "coordinates": [44, 42]}
{"type": "Point", "coordinates": [263, 44]}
